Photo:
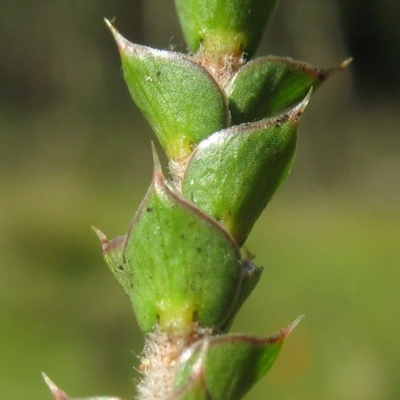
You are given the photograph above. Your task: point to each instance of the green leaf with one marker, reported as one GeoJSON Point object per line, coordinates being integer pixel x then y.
{"type": "Point", "coordinates": [179, 98]}
{"type": "Point", "coordinates": [269, 85]}
{"type": "Point", "coordinates": [113, 255]}
{"type": "Point", "coordinates": [195, 389]}
{"type": "Point", "coordinates": [248, 162]}
{"type": "Point", "coordinates": [180, 265]}
{"type": "Point", "coordinates": [232, 364]}
{"type": "Point", "coordinates": [250, 277]}
{"type": "Point", "coordinates": [224, 27]}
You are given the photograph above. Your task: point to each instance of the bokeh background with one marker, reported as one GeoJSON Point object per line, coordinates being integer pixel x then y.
{"type": "Point", "coordinates": [75, 152]}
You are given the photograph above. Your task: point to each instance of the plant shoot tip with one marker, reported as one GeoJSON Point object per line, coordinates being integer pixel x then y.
{"type": "Point", "coordinates": [296, 322]}
{"type": "Point", "coordinates": [346, 63]}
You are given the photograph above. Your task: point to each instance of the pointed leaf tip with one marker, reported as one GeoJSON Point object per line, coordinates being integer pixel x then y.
{"type": "Point", "coordinates": [111, 27]}
{"type": "Point", "coordinates": [252, 160]}
{"type": "Point", "coordinates": [346, 63]}
{"type": "Point", "coordinates": [108, 23]}
{"type": "Point", "coordinates": [332, 71]}
{"type": "Point", "coordinates": [295, 322]}
{"type": "Point", "coordinates": [285, 332]}
{"type": "Point", "coordinates": [303, 105]}
{"type": "Point", "coordinates": [101, 236]}
{"type": "Point", "coordinates": [60, 395]}
{"type": "Point", "coordinates": [232, 364]}
{"type": "Point", "coordinates": [188, 272]}
{"type": "Point", "coordinates": [160, 182]}
{"type": "Point", "coordinates": [122, 43]}
{"type": "Point", "coordinates": [57, 393]}
{"type": "Point", "coordinates": [156, 160]}
{"type": "Point", "coordinates": [165, 85]}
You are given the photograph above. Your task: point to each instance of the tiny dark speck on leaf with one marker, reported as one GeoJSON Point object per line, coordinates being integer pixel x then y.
{"type": "Point", "coordinates": [183, 236]}
{"type": "Point", "coordinates": [121, 267]}
{"type": "Point", "coordinates": [149, 209]}
{"type": "Point", "coordinates": [198, 249]}
{"type": "Point", "coordinates": [158, 73]}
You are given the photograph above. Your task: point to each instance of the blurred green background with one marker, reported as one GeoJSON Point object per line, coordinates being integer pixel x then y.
{"type": "Point", "coordinates": [75, 152]}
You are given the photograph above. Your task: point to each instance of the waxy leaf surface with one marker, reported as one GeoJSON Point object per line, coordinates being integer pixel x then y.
{"type": "Point", "coordinates": [180, 265]}
{"type": "Point", "coordinates": [268, 86]}
{"type": "Point", "coordinates": [248, 162]}
{"type": "Point", "coordinates": [231, 364]}
{"type": "Point", "coordinates": [179, 98]}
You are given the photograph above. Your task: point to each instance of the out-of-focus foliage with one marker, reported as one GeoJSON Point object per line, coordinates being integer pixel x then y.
{"type": "Point", "coordinates": [74, 153]}
{"type": "Point", "coordinates": [371, 31]}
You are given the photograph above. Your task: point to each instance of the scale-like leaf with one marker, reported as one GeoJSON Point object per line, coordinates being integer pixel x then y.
{"type": "Point", "coordinates": [268, 86]}
{"type": "Point", "coordinates": [232, 364]}
{"type": "Point", "coordinates": [179, 98]}
{"type": "Point", "coordinates": [182, 266]}
{"type": "Point", "coordinates": [249, 162]}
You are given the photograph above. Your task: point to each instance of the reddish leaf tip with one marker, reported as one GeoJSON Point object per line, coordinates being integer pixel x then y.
{"type": "Point", "coordinates": [290, 327]}
{"type": "Point", "coordinates": [122, 43]}
{"type": "Point", "coordinates": [101, 236]}
{"type": "Point", "coordinates": [285, 332]}
{"type": "Point", "coordinates": [57, 393]}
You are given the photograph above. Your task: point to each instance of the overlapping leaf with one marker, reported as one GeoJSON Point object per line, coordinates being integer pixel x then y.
{"type": "Point", "coordinates": [248, 162]}
{"type": "Point", "coordinates": [177, 264]}
{"type": "Point", "coordinates": [268, 86]}
{"type": "Point", "coordinates": [179, 98]}
{"type": "Point", "coordinates": [231, 364]}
